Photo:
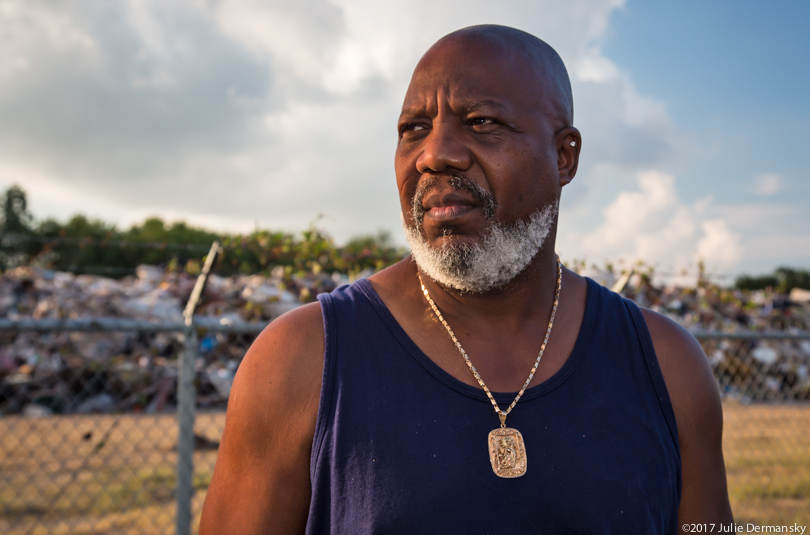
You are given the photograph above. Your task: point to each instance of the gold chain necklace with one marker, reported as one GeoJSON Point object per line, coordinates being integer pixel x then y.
{"type": "Point", "coordinates": [507, 451]}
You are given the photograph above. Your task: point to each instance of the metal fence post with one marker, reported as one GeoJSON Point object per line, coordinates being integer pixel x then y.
{"type": "Point", "coordinates": [185, 403]}
{"type": "Point", "coordinates": [185, 442]}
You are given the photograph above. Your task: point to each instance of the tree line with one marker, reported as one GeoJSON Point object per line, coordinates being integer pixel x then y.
{"type": "Point", "coordinates": [84, 245]}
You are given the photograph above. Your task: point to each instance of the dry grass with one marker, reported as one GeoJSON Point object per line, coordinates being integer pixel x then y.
{"type": "Point", "coordinates": [96, 474]}
{"type": "Point", "coordinates": [55, 479]}
{"type": "Point", "coordinates": [767, 450]}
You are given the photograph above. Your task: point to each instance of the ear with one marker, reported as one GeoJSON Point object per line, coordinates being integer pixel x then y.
{"type": "Point", "coordinates": [568, 143]}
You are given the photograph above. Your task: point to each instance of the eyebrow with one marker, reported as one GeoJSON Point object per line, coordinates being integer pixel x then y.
{"type": "Point", "coordinates": [467, 107]}
{"type": "Point", "coordinates": [486, 103]}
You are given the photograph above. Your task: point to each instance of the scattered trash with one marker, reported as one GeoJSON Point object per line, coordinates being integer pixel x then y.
{"type": "Point", "coordinates": [764, 354]}
{"type": "Point", "coordinates": [33, 410]}
{"type": "Point", "coordinates": [800, 295]}
{"type": "Point", "coordinates": [99, 372]}
{"type": "Point", "coordinates": [222, 378]}
{"type": "Point", "coordinates": [99, 403]}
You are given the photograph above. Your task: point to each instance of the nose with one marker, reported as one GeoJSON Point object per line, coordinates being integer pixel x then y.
{"type": "Point", "coordinates": [443, 149]}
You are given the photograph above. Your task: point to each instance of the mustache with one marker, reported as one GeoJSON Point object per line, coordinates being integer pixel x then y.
{"type": "Point", "coordinates": [482, 197]}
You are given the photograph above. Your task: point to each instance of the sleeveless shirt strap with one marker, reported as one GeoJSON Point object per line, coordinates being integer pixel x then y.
{"type": "Point", "coordinates": [327, 389]}
{"type": "Point", "coordinates": [654, 369]}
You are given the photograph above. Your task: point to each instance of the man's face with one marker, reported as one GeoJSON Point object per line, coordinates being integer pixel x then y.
{"type": "Point", "coordinates": [474, 116]}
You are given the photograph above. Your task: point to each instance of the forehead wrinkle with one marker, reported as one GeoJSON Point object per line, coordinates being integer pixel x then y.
{"type": "Point", "coordinates": [535, 55]}
{"type": "Point", "coordinates": [456, 93]}
{"type": "Point", "coordinates": [457, 104]}
{"type": "Point", "coordinates": [422, 103]}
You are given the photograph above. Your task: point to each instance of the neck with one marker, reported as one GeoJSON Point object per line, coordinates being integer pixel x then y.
{"type": "Point", "coordinates": [529, 294]}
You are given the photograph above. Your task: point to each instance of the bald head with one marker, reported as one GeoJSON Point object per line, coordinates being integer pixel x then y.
{"type": "Point", "coordinates": [545, 65]}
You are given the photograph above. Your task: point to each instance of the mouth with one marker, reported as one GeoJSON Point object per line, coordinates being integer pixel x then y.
{"type": "Point", "coordinates": [446, 213]}
{"type": "Point", "coordinates": [446, 199]}
{"type": "Point", "coordinates": [441, 205]}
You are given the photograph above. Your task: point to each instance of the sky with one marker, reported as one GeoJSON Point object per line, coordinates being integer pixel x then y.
{"type": "Point", "coordinates": [235, 115]}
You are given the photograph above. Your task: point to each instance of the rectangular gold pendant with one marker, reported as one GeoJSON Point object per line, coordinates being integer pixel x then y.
{"type": "Point", "coordinates": [507, 453]}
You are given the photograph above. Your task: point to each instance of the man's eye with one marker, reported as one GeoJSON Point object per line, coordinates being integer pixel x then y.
{"type": "Point", "coordinates": [411, 127]}
{"type": "Point", "coordinates": [481, 121]}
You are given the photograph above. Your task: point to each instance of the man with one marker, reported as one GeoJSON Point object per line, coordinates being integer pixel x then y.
{"type": "Point", "coordinates": [477, 386]}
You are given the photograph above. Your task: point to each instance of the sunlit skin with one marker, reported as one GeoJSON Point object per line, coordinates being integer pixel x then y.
{"type": "Point", "coordinates": [489, 104]}
{"type": "Point", "coordinates": [485, 120]}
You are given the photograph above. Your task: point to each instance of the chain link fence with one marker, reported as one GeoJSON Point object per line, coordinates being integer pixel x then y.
{"type": "Point", "coordinates": [96, 447]}
{"type": "Point", "coordinates": [766, 392]}
{"type": "Point", "coordinates": [115, 428]}
{"type": "Point", "coordinates": [63, 470]}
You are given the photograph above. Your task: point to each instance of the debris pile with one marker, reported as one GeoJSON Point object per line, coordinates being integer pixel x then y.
{"type": "Point", "coordinates": [750, 370]}
{"type": "Point", "coordinates": [85, 372]}
{"type": "Point", "coordinates": [43, 373]}
{"type": "Point", "coordinates": [747, 369]}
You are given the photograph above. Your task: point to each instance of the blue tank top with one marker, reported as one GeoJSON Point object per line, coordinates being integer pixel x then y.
{"type": "Point", "coordinates": [401, 446]}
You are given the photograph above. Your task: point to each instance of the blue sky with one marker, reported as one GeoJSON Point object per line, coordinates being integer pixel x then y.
{"type": "Point", "coordinates": [739, 73]}
{"type": "Point", "coordinates": [233, 113]}
{"type": "Point", "coordinates": [736, 76]}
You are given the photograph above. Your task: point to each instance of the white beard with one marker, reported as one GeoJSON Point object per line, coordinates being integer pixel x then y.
{"type": "Point", "coordinates": [497, 259]}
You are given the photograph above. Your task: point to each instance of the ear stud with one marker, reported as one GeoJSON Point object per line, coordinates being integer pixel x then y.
{"type": "Point", "coordinates": [572, 143]}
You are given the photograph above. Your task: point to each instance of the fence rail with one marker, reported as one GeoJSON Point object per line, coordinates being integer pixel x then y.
{"type": "Point", "coordinates": [214, 325]}
{"type": "Point", "coordinates": [123, 324]}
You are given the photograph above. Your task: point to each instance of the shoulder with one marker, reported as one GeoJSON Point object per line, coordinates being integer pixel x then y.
{"type": "Point", "coordinates": [280, 375]}
{"type": "Point", "coordinates": [269, 429]}
{"type": "Point", "coordinates": [687, 374]}
{"type": "Point", "coordinates": [287, 354]}
{"type": "Point", "coordinates": [698, 412]}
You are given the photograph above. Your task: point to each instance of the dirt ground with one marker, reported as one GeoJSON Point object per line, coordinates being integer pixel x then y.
{"type": "Point", "coordinates": [116, 473]}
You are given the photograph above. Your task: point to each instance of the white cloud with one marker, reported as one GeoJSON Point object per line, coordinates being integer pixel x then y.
{"type": "Point", "coordinates": [768, 184]}
{"type": "Point", "coordinates": [719, 245]}
{"type": "Point", "coordinates": [296, 38]}
{"type": "Point", "coordinates": [653, 225]}
{"type": "Point", "coordinates": [769, 233]}
{"type": "Point", "coordinates": [632, 210]}
{"type": "Point", "coordinates": [236, 111]}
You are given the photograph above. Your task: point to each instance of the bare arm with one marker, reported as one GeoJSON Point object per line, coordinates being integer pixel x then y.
{"type": "Point", "coordinates": [261, 479]}
{"type": "Point", "coordinates": [699, 416]}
